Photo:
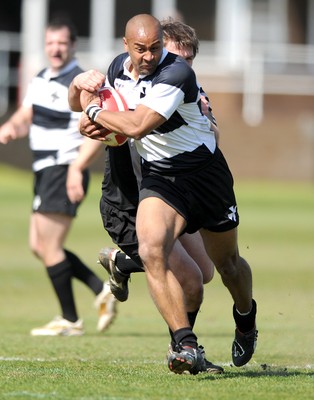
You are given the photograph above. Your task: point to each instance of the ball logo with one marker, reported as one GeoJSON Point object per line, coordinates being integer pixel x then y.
{"type": "Point", "coordinates": [111, 100]}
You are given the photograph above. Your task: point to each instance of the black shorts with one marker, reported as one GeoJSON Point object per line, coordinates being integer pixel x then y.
{"type": "Point", "coordinates": [120, 225]}
{"type": "Point", "coordinates": [50, 194]}
{"type": "Point", "coordinates": [204, 197]}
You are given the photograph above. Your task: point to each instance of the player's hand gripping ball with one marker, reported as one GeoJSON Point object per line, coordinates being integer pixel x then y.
{"type": "Point", "coordinates": [111, 100]}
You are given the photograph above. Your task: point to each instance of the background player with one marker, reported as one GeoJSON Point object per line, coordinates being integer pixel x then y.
{"type": "Point", "coordinates": [60, 160]}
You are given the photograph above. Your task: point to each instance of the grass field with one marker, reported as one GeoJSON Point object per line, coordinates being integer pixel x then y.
{"type": "Point", "coordinates": [128, 361]}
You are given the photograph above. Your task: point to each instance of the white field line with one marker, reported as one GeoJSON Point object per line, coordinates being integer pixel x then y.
{"type": "Point", "coordinates": [25, 394]}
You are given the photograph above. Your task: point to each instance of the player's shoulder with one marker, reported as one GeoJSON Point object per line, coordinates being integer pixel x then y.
{"type": "Point", "coordinates": [120, 58]}
{"type": "Point", "coordinates": [175, 61]}
{"type": "Point", "coordinates": [68, 75]}
{"type": "Point", "coordinates": [118, 61]}
{"type": "Point", "coordinates": [174, 69]}
{"type": "Point", "coordinates": [41, 73]}
{"type": "Point", "coordinates": [116, 68]}
{"type": "Point", "coordinates": [75, 71]}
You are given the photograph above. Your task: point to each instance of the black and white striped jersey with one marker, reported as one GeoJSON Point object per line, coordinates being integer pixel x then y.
{"type": "Point", "coordinates": [173, 92]}
{"type": "Point", "coordinates": [54, 136]}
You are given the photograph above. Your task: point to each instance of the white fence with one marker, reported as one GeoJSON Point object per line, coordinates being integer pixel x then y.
{"type": "Point", "coordinates": [265, 69]}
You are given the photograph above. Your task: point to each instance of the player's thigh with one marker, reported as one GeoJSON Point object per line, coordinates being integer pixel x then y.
{"type": "Point", "coordinates": [222, 247]}
{"type": "Point", "coordinates": [33, 235]}
{"type": "Point", "coordinates": [184, 266]}
{"type": "Point", "coordinates": [52, 229]}
{"type": "Point", "coordinates": [157, 223]}
{"type": "Point", "coordinates": [194, 245]}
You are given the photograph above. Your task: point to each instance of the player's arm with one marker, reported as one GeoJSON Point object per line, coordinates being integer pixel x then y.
{"type": "Point", "coordinates": [207, 111]}
{"type": "Point", "coordinates": [88, 153]}
{"type": "Point", "coordinates": [134, 124]}
{"type": "Point", "coordinates": [214, 128]}
{"type": "Point", "coordinates": [17, 126]}
{"type": "Point", "coordinates": [90, 81]}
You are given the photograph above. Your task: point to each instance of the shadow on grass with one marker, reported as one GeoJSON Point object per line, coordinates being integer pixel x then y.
{"type": "Point", "coordinates": [264, 370]}
{"type": "Point", "coordinates": [151, 334]}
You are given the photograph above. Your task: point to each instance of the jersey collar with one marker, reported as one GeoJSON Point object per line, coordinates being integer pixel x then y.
{"type": "Point", "coordinates": [49, 74]}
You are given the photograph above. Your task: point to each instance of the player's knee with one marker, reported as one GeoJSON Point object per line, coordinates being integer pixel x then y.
{"type": "Point", "coordinates": [208, 274]}
{"type": "Point", "coordinates": [35, 249]}
{"type": "Point", "coordinates": [193, 293]}
{"type": "Point", "coordinates": [228, 269]}
{"type": "Point", "coordinates": [150, 255]}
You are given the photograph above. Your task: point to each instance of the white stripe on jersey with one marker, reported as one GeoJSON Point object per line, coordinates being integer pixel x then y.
{"type": "Point", "coordinates": [55, 126]}
{"type": "Point", "coordinates": [165, 100]}
{"type": "Point", "coordinates": [175, 99]}
{"type": "Point", "coordinates": [67, 141]}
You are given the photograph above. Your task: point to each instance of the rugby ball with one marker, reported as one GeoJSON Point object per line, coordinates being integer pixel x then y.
{"type": "Point", "coordinates": [111, 100]}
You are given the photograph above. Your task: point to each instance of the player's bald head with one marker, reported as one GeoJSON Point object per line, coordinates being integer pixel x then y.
{"type": "Point", "coordinates": [143, 41]}
{"type": "Point", "coordinates": [141, 26]}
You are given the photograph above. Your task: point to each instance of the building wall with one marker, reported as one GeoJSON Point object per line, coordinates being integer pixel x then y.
{"type": "Point", "coordinates": [280, 148]}
{"type": "Point", "coordinates": [281, 145]}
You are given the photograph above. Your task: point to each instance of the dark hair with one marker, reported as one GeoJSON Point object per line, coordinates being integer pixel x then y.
{"type": "Point", "coordinates": [60, 21]}
{"type": "Point", "coordinates": [183, 35]}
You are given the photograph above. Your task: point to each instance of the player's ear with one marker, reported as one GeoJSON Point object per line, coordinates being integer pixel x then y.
{"type": "Point", "coordinates": [125, 43]}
